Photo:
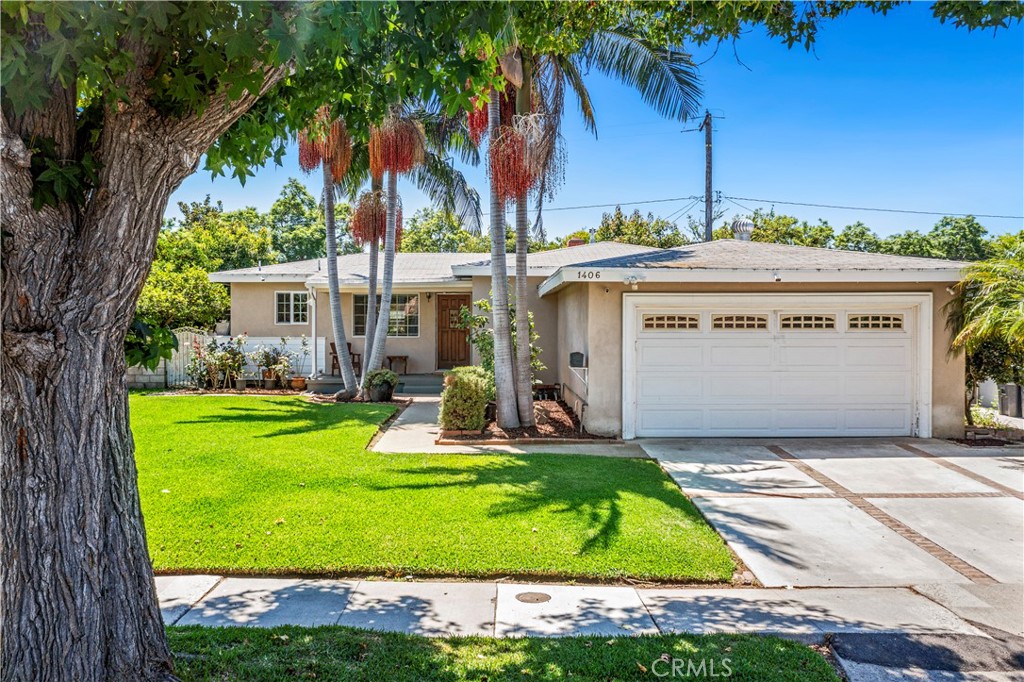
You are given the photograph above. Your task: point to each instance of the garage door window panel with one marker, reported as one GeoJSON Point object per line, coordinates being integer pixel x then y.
{"type": "Point", "coordinates": [807, 322]}
{"type": "Point", "coordinates": [874, 322]}
{"type": "Point", "coordinates": [739, 322]}
{"type": "Point", "coordinates": [670, 322]}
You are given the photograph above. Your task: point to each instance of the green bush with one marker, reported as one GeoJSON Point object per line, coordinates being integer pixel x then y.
{"type": "Point", "coordinates": [380, 377]}
{"type": "Point", "coordinates": [464, 399]}
{"type": "Point", "coordinates": [478, 372]}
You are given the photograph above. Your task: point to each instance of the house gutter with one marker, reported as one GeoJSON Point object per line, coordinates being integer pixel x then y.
{"type": "Point", "coordinates": [639, 276]}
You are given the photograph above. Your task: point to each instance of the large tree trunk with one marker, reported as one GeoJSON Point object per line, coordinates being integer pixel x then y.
{"type": "Point", "coordinates": [380, 336]}
{"type": "Point", "coordinates": [524, 366]}
{"type": "Point", "coordinates": [78, 600]}
{"type": "Point", "coordinates": [504, 379]}
{"type": "Point", "coordinates": [348, 376]}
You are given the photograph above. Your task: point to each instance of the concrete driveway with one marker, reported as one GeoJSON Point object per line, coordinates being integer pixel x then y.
{"type": "Point", "coordinates": [859, 512]}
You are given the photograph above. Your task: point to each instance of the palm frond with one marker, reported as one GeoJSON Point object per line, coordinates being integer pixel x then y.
{"type": "Point", "coordinates": [565, 70]}
{"type": "Point", "coordinates": [449, 188]}
{"type": "Point", "coordinates": [666, 79]}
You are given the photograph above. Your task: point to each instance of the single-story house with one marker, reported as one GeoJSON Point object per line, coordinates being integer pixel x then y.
{"type": "Point", "coordinates": [727, 338]}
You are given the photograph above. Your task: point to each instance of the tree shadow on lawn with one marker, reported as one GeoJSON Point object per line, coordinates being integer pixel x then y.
{"type": "Point", "coordinates": [297, 417]}
{"type": "Point", "coordinates": [568, 484]}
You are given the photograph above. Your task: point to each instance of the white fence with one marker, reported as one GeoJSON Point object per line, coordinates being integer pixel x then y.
{"type": "Point", "coordinates": [173, 373]}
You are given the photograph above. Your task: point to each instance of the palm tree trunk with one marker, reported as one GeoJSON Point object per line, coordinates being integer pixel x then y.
{"type": "Point", "coordinates": [371, 300]}
{"type": "Point", "coordinates": [380, 333]}
{"type": "Point", "coordinates": [348, 377]}
{"type": "Point", "coordinates": [524, 369]}
{"type": "Point", "coordinates": [504, 379]}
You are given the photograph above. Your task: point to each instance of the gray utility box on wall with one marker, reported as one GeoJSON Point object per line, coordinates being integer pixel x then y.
{"type": "Point", "coordinates": [1010, 400]}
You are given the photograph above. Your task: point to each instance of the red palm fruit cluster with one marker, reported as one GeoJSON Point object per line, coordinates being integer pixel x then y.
{"type": "Point", "coordinates": [510, 174]}
{"type": "Point", "coordinates": [326, 141]}
{"type": "Point", "coordinates": [397, 146]}
{"type": "Point", "coordinates": [370, 219]}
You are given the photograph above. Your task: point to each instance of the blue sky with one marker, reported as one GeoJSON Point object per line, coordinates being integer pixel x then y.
{"type": "Point", "coordinates": [892, 112]}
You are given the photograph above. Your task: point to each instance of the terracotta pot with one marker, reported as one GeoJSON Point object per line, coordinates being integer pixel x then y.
{"type": "Point", "coordinates": [299, 383]}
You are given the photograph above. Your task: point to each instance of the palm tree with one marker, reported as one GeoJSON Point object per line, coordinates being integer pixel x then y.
{"type": "Point", "coordinates": [666, 79]}
{"type": "Point", "coordinates": [434, 175]}
{"type": "Point", "coordinates": [327, 145]}
{"type": "Point", "coordinates": [986, 317]}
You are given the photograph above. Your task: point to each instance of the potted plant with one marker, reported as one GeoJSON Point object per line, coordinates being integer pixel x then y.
{"type": "Point", "coordinates": [232, 362]}
{"type": "Point", "coordinates": [299, 380]}
{"type": "Point", "coordinates": [265, 358]}
{"type": "Point", "coordinates": [380, 385]}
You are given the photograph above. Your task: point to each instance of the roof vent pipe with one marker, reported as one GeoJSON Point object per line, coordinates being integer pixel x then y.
{"type": "Point", "coordinates": [593, 235]}
{"type": "Point", "coordinates": [742, 228]}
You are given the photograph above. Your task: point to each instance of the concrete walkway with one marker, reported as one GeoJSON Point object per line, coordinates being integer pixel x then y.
{"type": "Point", "coordinates": [416, 429]}
{"type": "Point", "coordinates": [502, 609]}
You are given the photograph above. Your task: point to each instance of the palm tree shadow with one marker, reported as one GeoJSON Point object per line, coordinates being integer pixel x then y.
{"type": "Point", "coordinates": [535, 483]}
{"type": "Point", "coordinates": [295, 418]}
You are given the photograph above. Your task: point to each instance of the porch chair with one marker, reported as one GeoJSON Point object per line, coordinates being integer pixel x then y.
{"type": "Point", "coordinates": [357, 360]}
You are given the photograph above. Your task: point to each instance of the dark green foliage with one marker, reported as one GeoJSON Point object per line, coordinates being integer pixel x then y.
{"type": "Point", "coordinates": [481, 334]}
{"type": "Point", "coordinates": [638, 229]}
{"type": "Point", "coordinates": [380, 377]}
{"type": "Point", "coordinates": [464, 399]}
{"type": "Point", "coordinates": [148, 343]}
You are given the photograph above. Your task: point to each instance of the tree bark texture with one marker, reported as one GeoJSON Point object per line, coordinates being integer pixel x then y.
{"type": "Point", "coordinates": [348, 376]}
{"type": "Point", "coordinates": [380, 333]}
{"type": "Point", "coordinates": [504, 379]}
{"type": "Point", "coordinates": [77, 599]}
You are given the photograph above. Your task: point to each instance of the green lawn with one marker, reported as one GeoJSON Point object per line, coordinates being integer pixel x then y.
{"type": "Point", "coordinates": [337, 653]}
{"type": "Point", "coordinates": [279, 485]}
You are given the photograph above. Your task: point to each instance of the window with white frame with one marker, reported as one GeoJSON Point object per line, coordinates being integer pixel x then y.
{"type": "Point", "coordinates": [292, 307]}
{"type": "Point", "coordinates": [404, 317]}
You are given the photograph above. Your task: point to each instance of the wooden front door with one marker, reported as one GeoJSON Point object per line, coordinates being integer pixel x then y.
{"type": "Point", "coordinates": [452, 342]}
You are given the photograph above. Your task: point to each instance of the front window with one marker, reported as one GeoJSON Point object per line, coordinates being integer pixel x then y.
{"type": "Point", "coordinates": [292, 307]}
{"type": "Point", "coordinates": [404, 318]}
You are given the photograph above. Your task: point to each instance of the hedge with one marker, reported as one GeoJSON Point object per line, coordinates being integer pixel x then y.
{"type": "Point", "coordinates": [464, 399]}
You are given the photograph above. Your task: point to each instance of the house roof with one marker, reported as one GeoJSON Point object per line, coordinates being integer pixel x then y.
{"type": "Point", "coordinates": [423, 268]}
{"type": "Point", "coordinates": [546, 262]}
{"type": "Point", "coordinates": [729, 260]}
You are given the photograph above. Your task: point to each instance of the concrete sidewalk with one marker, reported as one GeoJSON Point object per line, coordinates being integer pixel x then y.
{"type": "Point", "coordinates": [416, 429]}
{"type": "Point", "coordinates": [513, 609]}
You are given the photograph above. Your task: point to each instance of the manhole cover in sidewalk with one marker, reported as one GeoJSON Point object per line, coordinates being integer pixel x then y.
{"type": "Point", "coordinates": [533, 597]}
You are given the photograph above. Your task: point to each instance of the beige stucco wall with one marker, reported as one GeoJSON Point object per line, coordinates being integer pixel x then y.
{"type": "Point", "coordinates": [604, 340]}
{"type": "Point", "coordinates": [545, 321]}
{"type": "Point", "coordinates": [253, 309]}
{"type": "Point", "coordinates": [573, 336]}
{"type": "Point", "coordinates": [252, 312]}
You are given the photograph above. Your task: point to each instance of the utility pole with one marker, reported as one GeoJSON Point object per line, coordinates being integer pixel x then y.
{"type": "Point", "coordinates": [708, 202]}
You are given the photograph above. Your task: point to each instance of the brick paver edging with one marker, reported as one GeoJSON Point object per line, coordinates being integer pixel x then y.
{"type": "Point", "coordinates": [942, 554]}
{"type": "Point", "coordinates": [960, 470]}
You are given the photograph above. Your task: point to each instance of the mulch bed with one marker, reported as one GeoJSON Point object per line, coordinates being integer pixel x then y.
{"type": "Point", "coordinates": [982, 442]}
{"type": "Point", "coordinates": [561, 424]}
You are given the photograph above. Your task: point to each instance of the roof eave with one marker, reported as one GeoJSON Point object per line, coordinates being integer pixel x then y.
{"type": "Point", "coordinates": [575, 275]}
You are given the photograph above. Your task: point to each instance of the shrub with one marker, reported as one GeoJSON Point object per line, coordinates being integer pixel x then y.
{"type": "Point", "coordinates": [478, 372]}
{"type": "Point", "coordinates": [380, 377]}
{"type": "Point", "coordinates": [464, 399]}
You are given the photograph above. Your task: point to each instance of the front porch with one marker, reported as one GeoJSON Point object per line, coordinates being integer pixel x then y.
{"type": "Point", "coordinates": [408, 384]}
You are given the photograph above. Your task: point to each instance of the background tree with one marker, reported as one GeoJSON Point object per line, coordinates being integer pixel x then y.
{"type": "Point", "coordinates": [857, 237]}
{"type": "Point", "coordinates": [185, 297]}
{"type": "Point", "coordinates": [959, 238]}
{"type": "Point", "coordinates": [636, 228]}
{"type": "Point", "coordinates": [207, 237]}
{"type": "Point", "coordinates": [777, 228]}
{"type": "Point", "coordinates": [296, 222]}
{"type": "Point", "coordinates": [908, 243]}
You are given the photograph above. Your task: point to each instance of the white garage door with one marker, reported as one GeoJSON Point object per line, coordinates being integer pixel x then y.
{"type": "Point", "coordinates": [771, 366]}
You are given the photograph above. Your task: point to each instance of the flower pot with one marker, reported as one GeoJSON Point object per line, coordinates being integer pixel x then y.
{"type": "Point", "coordinates": [299, 383]}
{"type": "Point", "coordinates": [240, 384]}
{"type": "Point", "coordinates": [270, 382]}
{"type": "Point", "coordinates": [381, 393]}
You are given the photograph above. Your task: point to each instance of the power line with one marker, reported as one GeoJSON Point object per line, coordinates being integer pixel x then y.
{"type": "Point", "coordinates": [621, 203]}
{"type": "Point", "coordinates": [877, 210]}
